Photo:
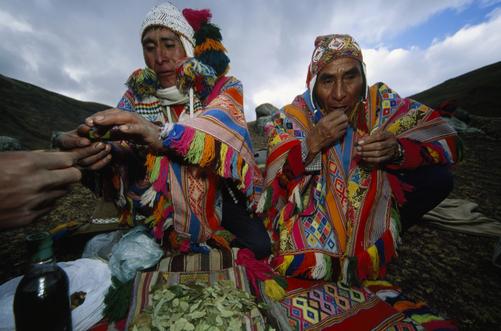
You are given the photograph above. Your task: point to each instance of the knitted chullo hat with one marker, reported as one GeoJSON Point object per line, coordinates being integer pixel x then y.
{"type": "Point", "coordinates": [208, 41]}
{"type": "Point", "coordinates": [329, 48]}
{"type": "Point", "coordinates": [167, 15]}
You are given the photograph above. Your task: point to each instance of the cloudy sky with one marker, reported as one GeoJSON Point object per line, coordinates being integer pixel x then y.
{"type": "Point", "coordinates": [87, 49]}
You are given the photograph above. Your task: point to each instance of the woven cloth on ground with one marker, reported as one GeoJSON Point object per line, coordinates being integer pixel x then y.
{"type": "Point", "coordinates": [313, 305]}
{"type": "Point", "coordinates": [216, 259]}
{"type": "Point", "coordinates": [461, 215]}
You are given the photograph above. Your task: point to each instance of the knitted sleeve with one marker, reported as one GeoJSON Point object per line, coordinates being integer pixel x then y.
{"type": "Point", "coordinates": [284, 164]}
{"type": "Point", "coordinates": [127, 101]}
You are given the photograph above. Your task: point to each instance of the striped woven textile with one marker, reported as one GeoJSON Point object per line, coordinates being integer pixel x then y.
{"type": "Point", "coordinates": [216, 259]}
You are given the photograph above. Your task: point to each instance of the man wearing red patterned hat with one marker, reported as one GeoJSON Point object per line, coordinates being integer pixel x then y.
{"type": "Point", "coordinates": [183, 118]}
{"type": "Point", "coordinates": [349, 165]}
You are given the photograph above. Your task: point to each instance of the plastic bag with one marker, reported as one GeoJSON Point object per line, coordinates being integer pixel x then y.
{"type": "Point", "coordinates": [101, 245]}
{"type": "Point", "coordinates": [135, 251]}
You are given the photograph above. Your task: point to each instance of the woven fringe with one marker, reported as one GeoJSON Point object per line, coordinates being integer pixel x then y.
{"type": "Point", "coordinates": [320, 269]}
{"type": "Point", "coordinates": [199, 148]}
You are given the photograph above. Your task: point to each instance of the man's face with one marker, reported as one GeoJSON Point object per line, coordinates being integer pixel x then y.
{"type": "Point", "coordinates": [162, 49]}
{"type": "Point", "coordinates": [339, 85]}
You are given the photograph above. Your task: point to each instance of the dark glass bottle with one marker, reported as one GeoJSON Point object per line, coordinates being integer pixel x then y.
{"type": "Point", "coordinates": [42, 299]}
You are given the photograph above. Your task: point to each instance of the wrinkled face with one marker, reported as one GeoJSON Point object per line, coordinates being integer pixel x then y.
{"type": "Point", "coordinates": [162, 49]}
{"type": "Point", "coordinates": [339, 85]}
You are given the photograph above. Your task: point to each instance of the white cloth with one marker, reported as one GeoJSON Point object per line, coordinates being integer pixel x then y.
{"type": "Point", "coordinates": [88, 275]}
{"type": "Point", "coordinates": [171, 96]}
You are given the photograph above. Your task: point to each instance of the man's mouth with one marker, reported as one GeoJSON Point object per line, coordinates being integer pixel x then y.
{"type": "Point", "coordinates": [166, 73]}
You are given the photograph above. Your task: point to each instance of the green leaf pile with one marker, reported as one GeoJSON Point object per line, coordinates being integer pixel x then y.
{"type": "Point", "coordinates": [196, 307]}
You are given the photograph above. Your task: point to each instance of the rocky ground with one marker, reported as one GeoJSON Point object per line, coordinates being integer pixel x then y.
{"type": "Point", "coordinates": [451, 271]}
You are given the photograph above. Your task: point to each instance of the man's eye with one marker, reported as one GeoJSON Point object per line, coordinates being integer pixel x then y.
{"type": "Point", "coordinates": [149, 47]}
{"type": "Point", "coordinates": [170, 45]}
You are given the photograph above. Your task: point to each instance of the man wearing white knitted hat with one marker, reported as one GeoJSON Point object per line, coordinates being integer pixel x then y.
{"type": "Point", "coordinates": [183, 117]}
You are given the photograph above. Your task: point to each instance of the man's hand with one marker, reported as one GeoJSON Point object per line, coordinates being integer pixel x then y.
{"type": "Point", "coordinates": [95, 155]}
{"type": "Point", "coordinates": [380, 147]}
{"type": "Point", "coordinates": [30, 183]}
{"type": "Point", "coordinates": [329, 129]}
{"type": "Point", "coordinates": [129, 126]}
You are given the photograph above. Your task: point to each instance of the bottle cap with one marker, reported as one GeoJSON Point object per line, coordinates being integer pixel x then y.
{"type": "Point", "coordinates": [40, 246]}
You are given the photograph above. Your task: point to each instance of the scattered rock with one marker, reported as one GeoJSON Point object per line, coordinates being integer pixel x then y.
{"type": "Point", "coordinates": [265, 109]}
{"type": "Point", "coordinates": [10, 144]}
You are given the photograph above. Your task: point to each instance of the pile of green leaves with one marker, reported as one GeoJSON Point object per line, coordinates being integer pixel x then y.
{"type": "Point", "coordinates": [196, 307]}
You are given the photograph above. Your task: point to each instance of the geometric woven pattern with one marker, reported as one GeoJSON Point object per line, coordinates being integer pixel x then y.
{"type": "Point", "coordinates": [329, 303]}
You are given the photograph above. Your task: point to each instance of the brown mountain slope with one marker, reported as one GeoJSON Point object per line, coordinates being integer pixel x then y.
{"type": "Point", "coordinates": [476, 91]}
{"type": "Point", "coordinates": [30, 113]}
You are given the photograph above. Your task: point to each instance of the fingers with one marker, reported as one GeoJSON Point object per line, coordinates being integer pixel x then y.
{"type": "Point", "coordinates": [336, 115]}
{"type": "Point", "coordinates": [72, 139]}
{"type": "Point", "coordinates": [380, 153]}
{"type": "Point", "coordinates": [51, 160]}
{"type": "Point", "coordinates": [111, 117]}
{"type": "Point", "coordinates": [88, 155]}
{"type": "Point", "coordinates": [377, 146]}
{"type": "Point", "coordinates": [100, 163]}
{"type": "Point", "coordinates": [61, 177]}
{"type": "Point", "coordinates": [89, 161]}
{"type": "Point", "coordinates": [83, 131]}
{"type": "Point", "coordinates": [147, 131]}
{"type": "Point", "coordinates": [378, 135]}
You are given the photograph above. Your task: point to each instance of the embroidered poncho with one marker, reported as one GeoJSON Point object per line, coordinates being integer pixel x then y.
{"type": "Point", "coordinates": [343, 222]}
{"type": "Point", "coordinates": [181, 188]}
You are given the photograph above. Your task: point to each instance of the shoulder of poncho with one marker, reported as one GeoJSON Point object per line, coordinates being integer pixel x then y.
{"type": "Point", "coordinates": [142, 83]}
{"type": "Point", "coordinates": [232, 82]}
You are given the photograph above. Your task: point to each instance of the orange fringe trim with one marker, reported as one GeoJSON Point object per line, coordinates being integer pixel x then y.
{"type": "Point", "coordinates": [208, 152]}
{"type": "Point", "coordinates": [209, 45]}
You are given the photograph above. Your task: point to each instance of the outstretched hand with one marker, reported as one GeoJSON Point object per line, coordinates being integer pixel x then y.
{"type": "Point", "coordinates": [96, 155]}
{"type": "Point", "coordinates": [31, 181]}
{"type": "Point", "coordinates": [129, 126]}
{"type": "Point", "coordinates": [377, 148]}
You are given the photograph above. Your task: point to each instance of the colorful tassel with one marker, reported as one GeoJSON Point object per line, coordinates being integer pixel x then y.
{"type": "Point", "coordinates": [273, 290]}
{"type": "Point", "coordinates": [208, 151]}
{"type": "Point", "coordinates": [260, 270]}
{"type": "Point", "coordinates": [209, 45]}
{"type": "Point", "coordinates": [195, 152]}
{"type": "Point", "coordinates": [217, 60]}
{"type": "Point", "coordinates": [143, 82]}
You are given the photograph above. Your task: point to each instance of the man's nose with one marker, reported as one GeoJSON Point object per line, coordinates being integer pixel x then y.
{"type": "Point", "coordinates": [338, 92]}
{"type": "Point", "coordinates": [158, 56]}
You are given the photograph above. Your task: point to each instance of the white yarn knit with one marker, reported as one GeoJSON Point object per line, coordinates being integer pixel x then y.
{"type": "Point", "coordinates": [169, 16]}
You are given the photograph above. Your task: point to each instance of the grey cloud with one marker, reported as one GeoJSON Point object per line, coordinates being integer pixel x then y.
{"type": "Point", "coordinates": [267, 40]}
